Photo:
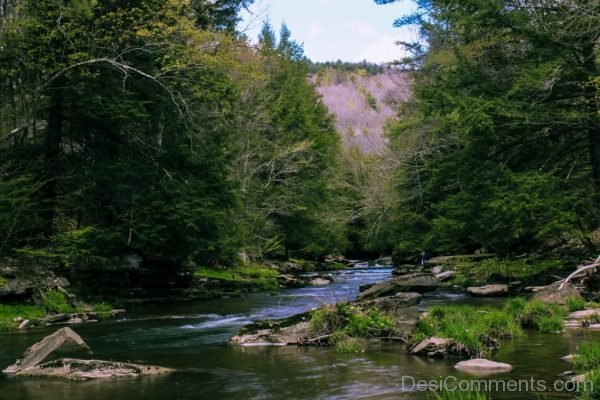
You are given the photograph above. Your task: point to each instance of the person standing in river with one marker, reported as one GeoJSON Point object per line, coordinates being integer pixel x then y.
{"type": "Point", "coordinates": [423, 257]}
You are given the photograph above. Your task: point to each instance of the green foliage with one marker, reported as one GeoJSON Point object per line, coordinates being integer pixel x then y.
{"type": "Point", "coordinates": [253, 275]}
{"type": "Point", "coordinates": [346, 344]}
{"type": "Point", "coordinates": [507, 269]}
{"type": "Point", "coordinates": [489, 151]}
{"type": "Point", "coordinates": [55, 302]}
{"type": "Point", "coordinates": [590, 388]}
{"type": "Point", "coordinates": [539, 315]}
{"type": "Point", "coordinates": [472, 329]}
{"type": "Point", "coordinates": [575, 304]}
{"type": "Point", "coordinates": [352, 321]}
{"type": "Point", "coordinates": [456, 395]}
{"type": "Point", "coordinates": [9, 312]}
{"type": "Point", "coordinates": [587, 357]}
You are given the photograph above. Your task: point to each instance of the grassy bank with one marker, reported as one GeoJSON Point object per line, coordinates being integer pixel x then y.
{"type": "Point", "coordinates": [53, 303]}
{"type": "Point", "coordinates": [497, 270]}
{"type": "Point", "coordinates": [476, 331]}
{"type": "Point", "coordinates": [586, 361]}
{"type": "Point", "coordinates": [251, 277]}
{"type": "Point", "coordinates": [347, 326]}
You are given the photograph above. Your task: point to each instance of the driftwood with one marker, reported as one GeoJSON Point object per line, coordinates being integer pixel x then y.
{"type": "Point", "coordinates": [579, 272]}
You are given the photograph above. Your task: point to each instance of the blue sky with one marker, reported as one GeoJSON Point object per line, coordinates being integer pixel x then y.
{"type": "Point", "coordinates": [350, 30]}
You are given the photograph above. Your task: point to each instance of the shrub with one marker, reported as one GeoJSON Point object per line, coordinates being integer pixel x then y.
{"type": "Point", "coordinates": [587, 357]}
{"type": "Point", "coordinates": [55, 302]}
{"type": "Point", "coordinates": [346, 344]}
{"type": "Point", "coordinates": [474, 330]}
{"type": "Point", "coordinates": [575, 304]}
{"type": "Point", "coordinates": [456, 395]}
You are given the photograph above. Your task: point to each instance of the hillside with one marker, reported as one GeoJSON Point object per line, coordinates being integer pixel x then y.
{"type": "Point", "coordinates": [362, 103]}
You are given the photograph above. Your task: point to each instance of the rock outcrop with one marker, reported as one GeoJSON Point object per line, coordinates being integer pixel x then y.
{"type": "Point", "coordinates": [489, 291]}
{"type": "Point", "coordinates": [49, 358]}
{"type": "Point", "coordinates": [63, 342]}
{"type": "Point", "coordinates": [419, 283]}
{"type": "Point", "coordinates": [551, 294]}
{"type": "Point", "coordinates": [433, 347]}
{"type": "Point", "coordinates": [399, 300]}
{"type": "Point", "coordinates": [76, 369]}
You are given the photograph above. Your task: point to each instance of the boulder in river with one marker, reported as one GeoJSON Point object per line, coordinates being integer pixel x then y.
{"type": "Point", "coordinates": [63, 342]}
{"type": "Point", "coordinates": [406, 283]}
{"type": "Point", "coordinates": [76, 369]}
{"type": "Point", "coordinates": [481, 365]}
{"type": "Point", "coordinates": [320, 280]}
{"type": "Point", "coordinates": [488, 291]}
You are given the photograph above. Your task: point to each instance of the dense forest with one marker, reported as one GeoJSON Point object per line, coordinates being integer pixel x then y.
{"type": "Point", "coordinates": [155, 129]}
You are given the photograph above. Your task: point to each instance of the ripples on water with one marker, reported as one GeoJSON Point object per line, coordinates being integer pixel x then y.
{"type": "Point", "coordinates": [193, 338]}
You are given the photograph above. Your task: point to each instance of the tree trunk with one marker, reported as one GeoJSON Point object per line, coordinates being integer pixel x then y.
{"type": "Point", "coordinates": [52, 150]}
{"type": "Point", "coordinates": [591, 69]}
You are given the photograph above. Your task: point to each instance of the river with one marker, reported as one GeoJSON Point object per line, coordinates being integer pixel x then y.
{"type": "Point", "coordinates": [192, 338]}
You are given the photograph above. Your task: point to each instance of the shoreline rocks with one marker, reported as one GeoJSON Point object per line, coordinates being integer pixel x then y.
{"type": "Point", "coordinates": [489, 291]}
{"type": "Point", "coordinates": [419, 283]}
{"type": "Point", "coordinates": [76, 369]}
{"type": "Point", "coordinates": [62, 342]}
{"type": "Point", "coordinates": [50, 358]}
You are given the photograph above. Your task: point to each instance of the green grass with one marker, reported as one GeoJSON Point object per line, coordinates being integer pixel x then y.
{"type": "Point", "coordinates": [346, 344]}
{"type": "Point", "coordinates": [347, 325]}
{"type": "Point", "coordinates": [537, 314]}
{"type": "Point", "coordinates": [587, 357]}
{"type": "Point", "coordinates": [473, 329]}
{"type": "Point", "coordinates": [3, 281]}
{"type": "Point", "coordinates": [456, 395]}
{"type": "Point", "coordinates": [575, 304]}
{"type": "Point", "coordinates": [9, 312]}
{"type": "Point", "coordinates": [476, 330]}
{"type": "Point", "coordinates": [55, 302]}
{"type": "Point", "coordinates": [590, 389]}
{"type": "Point", "coordinates": [253, 275]}
{"type": "Point", "coordinates": [471, 272]}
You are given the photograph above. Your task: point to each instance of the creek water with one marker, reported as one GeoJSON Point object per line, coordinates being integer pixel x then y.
{"type": "Point", "coordinates": [192, 338]}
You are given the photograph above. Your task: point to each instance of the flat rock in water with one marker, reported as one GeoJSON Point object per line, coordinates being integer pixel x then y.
{"type": "Point", "coordinates": [406, 283]}
{"type": "Point", "coordinates": [399, 300]}
{"type": "Point", "coordinates": [583, 314]}
{"type": "Point", "coordinates": [488, 290]}
{"type": "Point", "coordinates": [69, 368]}
{"type": "Point", "coordinates": [276, 336]}
{"type": "Point", "coordinates": [479, 365]}
{"type": "Point", "coordinates": [63, 342]}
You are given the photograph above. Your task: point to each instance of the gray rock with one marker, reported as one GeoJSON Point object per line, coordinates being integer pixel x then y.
{"type": "Point", "coordinates": [17, 288]}
{"type": "Point", "coordinates": [289, 335]}
{"type": "Point", "coordinates": [432, 347]}
{"type": "Point", "coordinates": [75, 369]}
{"type": "Point", "coordinates": [551, 294]}
{"type": "Point", "coordinates": [399, 300]}
{"type": "Point", "coordinates": [24, 324]}
{"type": "Point", "coordinates": [488, 291]}
{"type": "Point", "coordinates": [319, 281]}
{"type": "Point", "coordinates": [63, 342]}
{"type": "Point", "coordinates": [446, 276]}
{"type": "Point", "coordinates": [482, 365]}
{"type": "Point", "coordinates": [406, 283]}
